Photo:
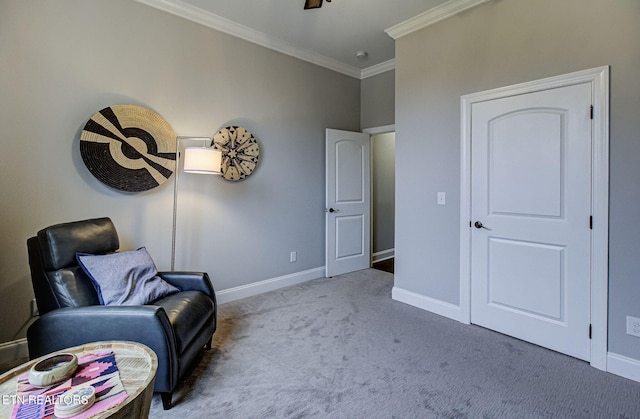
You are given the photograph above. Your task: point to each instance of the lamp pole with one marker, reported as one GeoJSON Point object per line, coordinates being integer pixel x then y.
{"type": "Point", "coordinates": [175, 206]}
{"type": "Point", "coordinates": [204, 160]}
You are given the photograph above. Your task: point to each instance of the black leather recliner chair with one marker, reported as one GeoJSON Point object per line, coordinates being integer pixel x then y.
{"type": "Point", "coordinates": [176, 327]}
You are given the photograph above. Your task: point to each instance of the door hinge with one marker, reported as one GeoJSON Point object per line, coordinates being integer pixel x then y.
{"type": "Point", "coordinates": [591, 111]}
{"type": "Point", "coordinates": [591, 222]}
{"type": "Point", "coordinates": [589, 331]}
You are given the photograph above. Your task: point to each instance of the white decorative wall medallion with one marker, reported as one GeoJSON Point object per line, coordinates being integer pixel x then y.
{"type": "Point", "coordinates": [240, 152]}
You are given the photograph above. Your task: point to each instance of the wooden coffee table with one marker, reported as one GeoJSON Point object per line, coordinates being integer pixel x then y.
{"type": "Point", "coordinates": [137, 365]}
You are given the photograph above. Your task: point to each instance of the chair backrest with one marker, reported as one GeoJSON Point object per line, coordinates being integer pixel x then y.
{"type": "Point", "coordinates": [57, 279]}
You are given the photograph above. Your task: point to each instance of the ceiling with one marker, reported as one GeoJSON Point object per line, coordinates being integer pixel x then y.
{"type": "Point", "coordinates": [329, 36]}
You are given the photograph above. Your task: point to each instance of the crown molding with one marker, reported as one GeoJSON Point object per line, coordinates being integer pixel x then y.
{"type": "Point", "coordinates": [219, 23]}
{"type": "Point", "coordinates": [378, 69]}
{"type": "Point", "coordinates": [431, 16]}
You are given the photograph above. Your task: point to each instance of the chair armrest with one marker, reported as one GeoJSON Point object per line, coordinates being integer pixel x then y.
{"type": "Point", "coordinates": [190, 281]}
{"type": "Point", "coordinates": [74, 326]}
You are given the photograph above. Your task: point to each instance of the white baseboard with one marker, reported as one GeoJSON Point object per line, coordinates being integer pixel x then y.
{"type": "Point", "coordinates": [10, 351]}
{"type": "Point", "coordinates": [439, 307]}
{"type": "Point", "coordinates": [623, 366]}
{"type": "Point", "coordinates": [383, 255]}
{"type": "Point", "coordinates": [249, 290]}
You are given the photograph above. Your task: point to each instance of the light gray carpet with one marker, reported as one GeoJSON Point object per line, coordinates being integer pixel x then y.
{"type": "Point", "coordinates": [342, 348]}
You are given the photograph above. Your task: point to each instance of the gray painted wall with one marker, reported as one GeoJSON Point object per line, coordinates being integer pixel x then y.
{"type": "Point", "coordinates": [62, 61]}
{"type": "Point", "coordinates": [497, 44]}
{"type": "Point", "coordinates": [383, 182]}
{"type": "Point", "coordinates": [377, 100]}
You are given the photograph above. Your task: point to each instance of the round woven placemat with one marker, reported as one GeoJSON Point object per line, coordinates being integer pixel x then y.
{"type": "Point", "coordinates": [128, 147]}
{"type": "Point", "coordinates": [240, 152]}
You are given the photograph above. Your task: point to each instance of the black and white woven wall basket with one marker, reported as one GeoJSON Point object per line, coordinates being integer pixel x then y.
{"type": "Point", "coordinates": [129, 148]}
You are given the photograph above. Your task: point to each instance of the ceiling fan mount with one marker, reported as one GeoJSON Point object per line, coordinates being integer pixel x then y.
{"type": "Point", "coordinates": [314, 4]}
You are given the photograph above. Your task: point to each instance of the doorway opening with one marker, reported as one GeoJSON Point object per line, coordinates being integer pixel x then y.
{"type": "Point", "coordinates": [383, 201]}
{"type": "Point", "coordinates": [383, 169]}
{"type": "Point", "coordinates": [360, 199]}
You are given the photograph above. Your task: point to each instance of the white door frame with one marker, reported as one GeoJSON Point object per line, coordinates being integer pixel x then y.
{"type": "Point", "coordinates": [382, 129]}
{"type": "Point", "coordinates": [599, 79]}
{"type": "Point", "coordinates": [371, 131]}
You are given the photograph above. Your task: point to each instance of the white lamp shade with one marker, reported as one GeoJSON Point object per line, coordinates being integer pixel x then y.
{"type": "Point", "coordinates": [202, 160]}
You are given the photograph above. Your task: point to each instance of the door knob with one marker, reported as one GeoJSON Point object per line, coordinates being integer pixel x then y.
{"type": "Point", "coordinates": [478, 224]}
{"type": "Point", "coordinates": [331, 210]}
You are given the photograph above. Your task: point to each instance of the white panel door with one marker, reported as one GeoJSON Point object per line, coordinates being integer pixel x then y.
{"type": "Point", "coordinates": [531, 207]}
{"type": "Point", "coordinates": [348, 202]}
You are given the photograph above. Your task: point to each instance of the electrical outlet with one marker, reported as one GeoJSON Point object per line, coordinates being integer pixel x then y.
{"type": "Point", "coordinates": [34, 308]}
{"type": "Point", "coordinates": [293, 256]}
{"type": "Point", "coordinates": [633, 326]}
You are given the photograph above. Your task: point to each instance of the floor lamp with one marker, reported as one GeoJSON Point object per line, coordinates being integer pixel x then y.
{"type": "Point", "coordinates": [203, 160]}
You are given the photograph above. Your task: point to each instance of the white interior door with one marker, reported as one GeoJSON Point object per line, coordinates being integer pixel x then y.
{"type": "Point", "coordinates": [531, 207]}
{"type": "Point", "coordinates": [348, 202]}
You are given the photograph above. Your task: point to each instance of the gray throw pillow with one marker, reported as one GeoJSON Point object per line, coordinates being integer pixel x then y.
{"type": "Point", "coordinates": [125, 278]}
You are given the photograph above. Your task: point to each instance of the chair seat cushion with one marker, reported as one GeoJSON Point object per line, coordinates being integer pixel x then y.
{"type": "Point", "coordinates": [188, 311]}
